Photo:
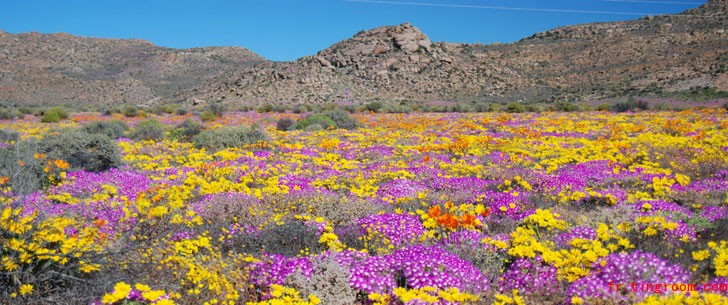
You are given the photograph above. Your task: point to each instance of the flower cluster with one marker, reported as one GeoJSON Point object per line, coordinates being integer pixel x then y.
{"type": "Point", "coordinates": [138, 294]}
{"type": "Point", "coordinates": [391, 229]}
{"type": "Point", "coordinates": [419, 208]}
{"type": "Point", "coordinates": [417, 267]}
{"type": "Point", "coordinates": [624, 269]}
{"type": "Point", "coordinates": [530, 276]}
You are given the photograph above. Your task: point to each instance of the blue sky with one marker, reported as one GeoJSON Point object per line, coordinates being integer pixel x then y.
{"type": "Point", "coordinates": [288, 29]}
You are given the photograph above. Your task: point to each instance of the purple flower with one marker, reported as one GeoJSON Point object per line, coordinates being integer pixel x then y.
{"type": "Point", "coordinates": [582, 232]}
{"type": "Point", "coordinates": [624, 269]}
{"type": "Point", "coordinates": [530, 276]}
{"type": "Point", "coordinates": [275, 268]}
{"type": "Point", "coordinates": [398, 228]}
{"type": "Point", "coordinates": [417, 267]}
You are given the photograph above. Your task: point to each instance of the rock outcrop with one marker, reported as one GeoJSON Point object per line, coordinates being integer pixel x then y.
{"type": "Point", "coordinates": [652, 54]}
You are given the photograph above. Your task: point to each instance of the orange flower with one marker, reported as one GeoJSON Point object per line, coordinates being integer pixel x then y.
{"type": "Point", "coordinates": [434, 212]}
{"type": "Point", "coordinates": [448, 221]}
{"type": "Point", "coordinates": [467, 220]}
{"type": "Point", "coordinates": [100, 222]}
{"type": "Point", "coordinates": [61, 164]}
{"type": "Point", "coordinates": [4, 179]}
{"type": "Point", "coordinates": [426, 159]}
{"type": "Point", "coordinates": [486, 212]}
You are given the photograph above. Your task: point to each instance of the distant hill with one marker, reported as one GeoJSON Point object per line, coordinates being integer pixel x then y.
{"type": "Point", "coordinates": [64, 69]}
{"type": "Point", "coordinates": [653, 54]}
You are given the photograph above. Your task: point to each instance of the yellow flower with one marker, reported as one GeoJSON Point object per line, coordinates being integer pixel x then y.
{"type": "Point", "coordinates": [8, 264]}
{"type": "Point", "coordinates": [26, 289]}
{"type": "Point", "coordinates": [701, 255]}
{"type": "Point", "coordinates": [121, 291]}
{"type": "Point", "coordinates": [86, 267]}
{"type": "Point", "coordinates": [142, 287]}
{"type": "Point", "coordinates": [576, 300]}
{"type": "Point", "coordinates": [153, 295]}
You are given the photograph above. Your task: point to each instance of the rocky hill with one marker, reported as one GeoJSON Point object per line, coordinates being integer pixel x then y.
{"type": "Point", "coordinates": [652, 54]}
{"type": "Point", "coordinates": [660, 53]}
{"type": "Point", "coordinates": [63, 69]}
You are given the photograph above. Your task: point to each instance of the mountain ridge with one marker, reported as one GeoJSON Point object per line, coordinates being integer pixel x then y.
{"type": "Point", "coordinates": [60, 68]}
{"type": "Point", "coordinates": [648, 55]}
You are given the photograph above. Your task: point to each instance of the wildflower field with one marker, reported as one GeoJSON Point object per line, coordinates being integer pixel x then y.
{"type": "Point", "coordinates": [421, 208]}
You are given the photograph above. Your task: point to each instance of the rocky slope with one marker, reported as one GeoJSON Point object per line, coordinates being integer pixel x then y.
{"type": "Point", "coordinates": [63, 69]}
{"type": "Point", "coordinates": [660, 53]}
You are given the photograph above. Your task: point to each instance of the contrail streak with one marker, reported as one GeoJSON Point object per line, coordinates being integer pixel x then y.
{"type": "Point", "coordinates": [507, 8]}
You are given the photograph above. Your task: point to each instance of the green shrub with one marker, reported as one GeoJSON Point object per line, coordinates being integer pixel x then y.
{"type": "Point", "coordinates": [219, 139]}
{"type": "Point", "coordinates": [8, 135]}
{"type": "Point", "coordinates": [62, 113]}
{"type": "Point", "coordinates": [396, 109]}
{"type": "Point", "coordinates": [181, 111]}
{"type": "Point", "coordinates": [329, 107]}
{"type": "Point", "coordinates": [373, 106]}
{"type": "Point", "coordinates": [9, 114]}
{"type": "Point", "coordinates": [566, 106]}
{"type": "Point", "coordinates": [533, 108]}
{"type": "Point", "coordinates": [26, 172]}
{"type": "Point", "coordinates": [265, 108]}
{"type": "Point", "coordinates": [279, 109]}
{"type": "Point", "coordinates": [302, 108]}
{"type": "Point", "coordinates": [160, 109]}
{"type": "Point", "coordinates": [186, 130]}
{"type": "Point", "coordinates": [217, 108]}
{"type": "Point", "coordinates": [148, 130]}
{"type": "Point", "coordinates": [342, 119]}
{"type": "Point", "coordinates": [285, 124]}
{"type": "Point", "coordinates": [130, 111]}
{"type": "Point", "coordinates": [82, 150]}
{"type": "Point", "coordinates": [316, 119]}
{"type": "Point", "coordinates": [113, 129]}
{"type": "Point", "coordinates": [629, 105]}
{"type": "Point", "coordinates": [50, 117]}
{"type": "Point", "coordinates": [314, 127]}
{"type": "Point", "coordinates": [26, 110]}
{"type": "Point", "coordinates": [341, 210]}
{"type": "Point", "coordinates": [603, 107]}
{"type": "Point", "coordinates": [207, 116]}
{"type": "Point", "coordinates": [299, 109]}
{"type": "Point", "coordinates": [289, 239]}
{"type": "Point", "coordinates": [108, 110]}
{"type": "Point", "coordinates": [514, 107]}
{"type": "Point", "coordinates": [350, 108]}
{"type": "Point", "coordinates": [54, 115]}
{"type": "Point", "coordinates": [489, 107]}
